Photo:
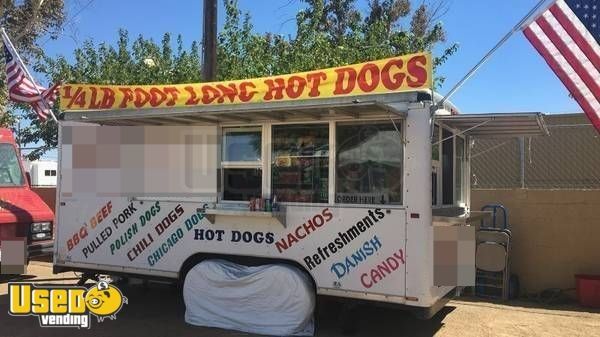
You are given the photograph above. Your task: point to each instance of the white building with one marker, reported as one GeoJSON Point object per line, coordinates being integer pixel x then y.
{"type": "Point", "coordinates": [43, 172]}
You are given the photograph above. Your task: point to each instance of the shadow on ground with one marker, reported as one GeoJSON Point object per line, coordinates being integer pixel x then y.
{"type": "Point", "coordinates": [525, 304]}
{"type": "Point", "coordinates": [158, 310]}
{"type": "Point", "coordinates": [5, 278]}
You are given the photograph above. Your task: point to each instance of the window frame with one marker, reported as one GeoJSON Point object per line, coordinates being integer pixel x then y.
{"type": "Point", "coordinates": [223, 165]}
{"type": "Point", "coordinates": [457, 202]}
{"type": "Point", "coordinates": [269, 184]}
{"type": "Point", "coordinates": [440, 176]}
{"type": "Point", "coordinates": [266, 158]}
{"type": "Point", "coordinates": [240, 164]}
{"type": "Point", "coordinates": [399, 124]}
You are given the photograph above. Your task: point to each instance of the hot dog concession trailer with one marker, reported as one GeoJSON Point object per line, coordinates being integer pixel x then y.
{"type": "Point", "coordinates": [352, 185]}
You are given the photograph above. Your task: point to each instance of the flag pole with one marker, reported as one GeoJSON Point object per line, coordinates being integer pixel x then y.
{"type": "Point", "coordinates": [516, 28]}
{"type": "Point", "coordinates": [7, 40]}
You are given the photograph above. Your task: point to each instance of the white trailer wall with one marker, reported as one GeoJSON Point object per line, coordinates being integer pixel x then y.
{"type": "Point", "coordinates": [138, 161]}
{"type": "Point", "coordinates": [131, 201]}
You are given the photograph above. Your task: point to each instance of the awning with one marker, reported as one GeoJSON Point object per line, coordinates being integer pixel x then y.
{"type": "Point", "coordinates": [393, 105]}
{"type": "Point", "coordinates": [497, 125]}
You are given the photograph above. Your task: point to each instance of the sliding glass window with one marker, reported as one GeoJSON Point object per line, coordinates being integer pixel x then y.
{"type": "Point", "coordinates": [300, 163]}
{"type": "Point", "coordinates": [369, 162]}
{"type": "Point", "coordinates": [241, 163]}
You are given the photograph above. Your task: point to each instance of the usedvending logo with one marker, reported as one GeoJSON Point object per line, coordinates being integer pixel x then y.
{"type": "Point", "coordinates": [65, 306]}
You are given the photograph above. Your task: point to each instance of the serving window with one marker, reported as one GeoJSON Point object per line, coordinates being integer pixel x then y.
{"type": "Point", "coordinates": [300, 163]}
{"type": "Point", "coordinates": [241, 163]}
{"type": "Point", "coordinates": [369, 159]}
{"type": "Point", "coordinates": [365, 168]}
{"type": "Point", "coordinates": [449, 168]}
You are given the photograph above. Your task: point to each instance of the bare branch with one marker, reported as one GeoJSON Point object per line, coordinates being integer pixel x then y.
{"type": "Point", "coordinates": [35, 10]}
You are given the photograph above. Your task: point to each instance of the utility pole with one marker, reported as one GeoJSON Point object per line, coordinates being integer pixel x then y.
{"type": "Point", "coordinates": [209, 41]}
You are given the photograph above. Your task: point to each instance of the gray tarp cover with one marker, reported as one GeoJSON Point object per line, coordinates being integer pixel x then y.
{"type": "Point", "coordinates": [270, 299]}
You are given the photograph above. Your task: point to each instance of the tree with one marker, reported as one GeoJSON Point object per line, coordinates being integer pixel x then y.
{"type": "Point", "coordinates": [139, 62]}
{"type": "Point", "coordinates": [333, 29]}
{"type": "Point", "coordinates": [336, 31]}
{"type": "Point", "coordinates": [26, 22]}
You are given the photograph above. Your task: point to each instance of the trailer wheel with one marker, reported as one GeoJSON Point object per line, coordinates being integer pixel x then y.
{"type": "Point", "coordinates": [191, 261]}
{"type": "Point", "coordinates": [282, 301]}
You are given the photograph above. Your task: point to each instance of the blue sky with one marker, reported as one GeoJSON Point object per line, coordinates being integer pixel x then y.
{"type": "Point", "coordinates": [515, 79]}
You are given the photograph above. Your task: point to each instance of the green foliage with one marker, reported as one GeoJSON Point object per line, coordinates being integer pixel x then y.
{"type": "Point", "coordinates": [26, 22]}
{"type": "Point", "coordinates": [139, 62]}
{"type": "Point", "coordinates": [335, 31]}
{"type": "Point", "coordinates": [328, 33]}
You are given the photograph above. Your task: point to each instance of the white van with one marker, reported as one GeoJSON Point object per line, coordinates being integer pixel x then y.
{"type": "Point", "coordinates": [43, 173]}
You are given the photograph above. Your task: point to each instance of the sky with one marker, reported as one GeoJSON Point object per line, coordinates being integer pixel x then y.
{"type": "Point", "coordinates": [515, 79]}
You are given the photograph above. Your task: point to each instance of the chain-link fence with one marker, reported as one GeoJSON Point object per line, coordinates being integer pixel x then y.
{"type": "Point", "coordinates": [567, 159]}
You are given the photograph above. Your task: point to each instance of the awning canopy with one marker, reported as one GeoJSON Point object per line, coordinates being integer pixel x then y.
{"type": "Point", "coordinates": [497, 125]}
{"type": "Point", "coordinates": [394, 105]}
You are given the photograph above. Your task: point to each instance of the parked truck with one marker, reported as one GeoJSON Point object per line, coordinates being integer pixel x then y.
{"type": "Point", "coordinates": [23, 214]}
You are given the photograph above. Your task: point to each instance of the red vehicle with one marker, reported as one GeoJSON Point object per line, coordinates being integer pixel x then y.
{"type": "Point", "coordinates": [23, 214]}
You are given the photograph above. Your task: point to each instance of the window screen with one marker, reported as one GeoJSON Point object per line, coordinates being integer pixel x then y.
{"type": "Point", "coordinates": [435, 164]}
{"type": "Point", "coordinates": [300, 163]}
{"type": "Point", "coordinates": [369, 163]}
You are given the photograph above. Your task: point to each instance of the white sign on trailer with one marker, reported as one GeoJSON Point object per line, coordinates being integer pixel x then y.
{"type": "Point", "coordinates": [357, 249]}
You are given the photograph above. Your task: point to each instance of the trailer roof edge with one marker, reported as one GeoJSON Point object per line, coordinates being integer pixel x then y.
{"type": "Point", "coordinates": [395, 103]}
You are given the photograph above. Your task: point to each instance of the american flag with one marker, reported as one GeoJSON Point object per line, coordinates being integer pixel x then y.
{"type": "Point", "coordinates": [567, 35]}
{"type": "Point", "coordinates": [22, 88]}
